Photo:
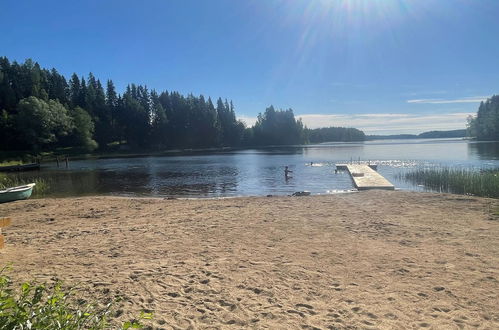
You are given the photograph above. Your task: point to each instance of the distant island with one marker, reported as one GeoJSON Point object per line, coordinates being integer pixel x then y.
{"type": "Point", "coordinates": [457, 133]}
{"type": "Point", "coordinates": [334, 134]}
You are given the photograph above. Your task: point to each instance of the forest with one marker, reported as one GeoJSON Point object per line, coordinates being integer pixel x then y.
{"type": "Point", "coordinates": [335, 134]}
{"type": "Point", "coordinates": [456, 133]}
{"type": "Point", "coordinates": [41, 110]}
{"type": "Point", "coordinates": [485, 125]}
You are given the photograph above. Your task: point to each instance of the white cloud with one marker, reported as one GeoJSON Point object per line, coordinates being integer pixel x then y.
{"type": "Point", "coordinates": [248, 120]}
{"type": "Point", "coordinates": [426, 93]}
{"type": "Point", "coordinates": [382, 123]}
{"type": "Point", "coordinates": [389, 123]}
{"type": "Point", "coordinates": [471, 99]}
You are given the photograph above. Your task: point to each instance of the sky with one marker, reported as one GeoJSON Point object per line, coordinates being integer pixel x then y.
{"type": "Point", "coordinates": [384, 66]}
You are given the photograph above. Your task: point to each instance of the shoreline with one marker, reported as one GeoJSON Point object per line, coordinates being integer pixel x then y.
{"type": "Point", "coordinates": [373, 259]}
{"type": "Point", "coordinates": [111, 154]}
{"type": "Point", "coordinates": [182, 197]}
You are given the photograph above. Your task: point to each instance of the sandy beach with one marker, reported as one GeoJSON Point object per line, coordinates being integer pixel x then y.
{"type": "Point", "coordinates": [373, 260]}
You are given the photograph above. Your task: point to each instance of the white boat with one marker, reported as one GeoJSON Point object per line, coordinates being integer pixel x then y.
{"type": "Point", "coordinates": [16, 193]}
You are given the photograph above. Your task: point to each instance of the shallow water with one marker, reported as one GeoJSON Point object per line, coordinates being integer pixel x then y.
{"type": "Point", "coordinates": [259, 172]}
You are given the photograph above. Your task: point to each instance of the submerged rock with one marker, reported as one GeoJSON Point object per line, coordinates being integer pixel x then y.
{"type": "Point", "coordinates": [301, 193]}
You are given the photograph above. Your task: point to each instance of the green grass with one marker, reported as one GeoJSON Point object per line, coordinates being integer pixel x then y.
{"type": "Point", "coordinates": [7, 181]}
{"type": "Point", "coordinates": [483, 183]}
{"type": "Point", "coordinates": [42, 306]}
{"type": "Point", "coordinates": [11, 163]}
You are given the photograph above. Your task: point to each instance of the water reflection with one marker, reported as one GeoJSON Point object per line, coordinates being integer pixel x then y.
{"type": "Point", "coordinates": [484, 150]}
{"type": "Point", "coordinates": [259, 171]}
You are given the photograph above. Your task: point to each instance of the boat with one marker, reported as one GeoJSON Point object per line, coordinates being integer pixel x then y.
{"type": "Point", "coordinates": [16, 193]}
{"type": "Point", "coordinates": [18, 168]}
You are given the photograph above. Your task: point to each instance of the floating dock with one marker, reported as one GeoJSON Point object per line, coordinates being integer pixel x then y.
{"type": "Point", "coordinates": [365, 177]}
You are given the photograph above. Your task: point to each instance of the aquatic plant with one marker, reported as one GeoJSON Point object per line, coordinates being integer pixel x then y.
{"type": "Point", "coordinates": [475, 182]}
{"type": "Point", "coordinates": [43, 306]}
{"type": "Point", "coordinates": [7, 181]}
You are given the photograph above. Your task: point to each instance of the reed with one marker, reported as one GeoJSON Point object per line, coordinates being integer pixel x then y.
{"type": "Point", "coordinates": [7, 181]}
{"type": "Point", "coordinates": [475, 182]}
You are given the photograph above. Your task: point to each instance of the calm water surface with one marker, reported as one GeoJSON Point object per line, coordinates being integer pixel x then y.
{"type": "Point", "coordinates": [259, 172]}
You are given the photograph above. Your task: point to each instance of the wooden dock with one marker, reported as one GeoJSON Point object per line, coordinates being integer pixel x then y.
{"type": "Point", "coordinates": [365, 177]}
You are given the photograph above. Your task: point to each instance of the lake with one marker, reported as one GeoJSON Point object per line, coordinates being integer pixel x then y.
{"type": "Point", "coordinates": [257, 172]}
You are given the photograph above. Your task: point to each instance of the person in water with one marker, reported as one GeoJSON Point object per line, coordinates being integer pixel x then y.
{"type": "Point", "coordinates": [286, 172]}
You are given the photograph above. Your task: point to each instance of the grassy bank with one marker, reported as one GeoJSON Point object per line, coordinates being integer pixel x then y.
{"type": "Point", "coordinates": [11, 163]}
{"type": "Point", "coordinates": [483, 183]}
{"type": "Point", "coordinates": [7, 181]}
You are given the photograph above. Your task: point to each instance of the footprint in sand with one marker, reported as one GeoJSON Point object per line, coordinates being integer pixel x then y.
{"type": "Point", "coordinates": [391, 316]}
{"type": "Point", "coordinates": [334, 315]}
{"type": "Point", "coordinates": [230, 306]}
{"type": "Point", "coordinates": [255, 290]}
{"type": "Point", "coordinates": [309, 327]}
{"type": "Point", "coordinates": [307, 308]}
{"type": "Point", "coordinates": [441, 309]}
{"type": "Point", "coordinates": [292, 311]}
{"type": "Point", "coordinates": [336, 287]}
{"type": "Point", "coordinates": [304, 305]}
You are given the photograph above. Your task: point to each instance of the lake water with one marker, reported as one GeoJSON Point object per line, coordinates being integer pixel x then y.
{"type": "Point", "coordinates": [258, 172]}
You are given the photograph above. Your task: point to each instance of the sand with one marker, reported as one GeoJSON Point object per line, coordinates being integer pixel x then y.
{"type": "Point", "coordinates": [375, 259]}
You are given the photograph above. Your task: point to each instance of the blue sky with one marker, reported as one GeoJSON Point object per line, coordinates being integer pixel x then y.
{"type": "Point", "coordinates": [386, 66]}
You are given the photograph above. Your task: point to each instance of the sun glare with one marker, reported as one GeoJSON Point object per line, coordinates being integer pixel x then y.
{"type": "Point", "coordinates": [327, 21]}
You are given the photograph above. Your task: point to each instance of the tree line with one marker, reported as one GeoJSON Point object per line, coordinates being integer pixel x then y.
{"type": "Point", "coordinates": [333, 134]}
{"type": "Point", "coordinates": [485, 125]}
{"type": "Point", "coordinates": [455, 133]}
{"type": "Point", "coordinates": [41, 110]}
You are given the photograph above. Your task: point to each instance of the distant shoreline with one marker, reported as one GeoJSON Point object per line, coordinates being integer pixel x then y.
{"type": "Point", "coordinates": [51, 157]}
{"type": "Point", "coordinates": [458, 133]}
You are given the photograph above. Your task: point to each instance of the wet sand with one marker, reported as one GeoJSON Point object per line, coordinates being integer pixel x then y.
{"type": "Point", "coordinates": [375, 259]}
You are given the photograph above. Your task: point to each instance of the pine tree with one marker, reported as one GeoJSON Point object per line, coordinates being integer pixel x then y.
{"type": "Point", "coordinates": [159, 135]}
{"type": "Point", "coordinates": [75, 87]}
